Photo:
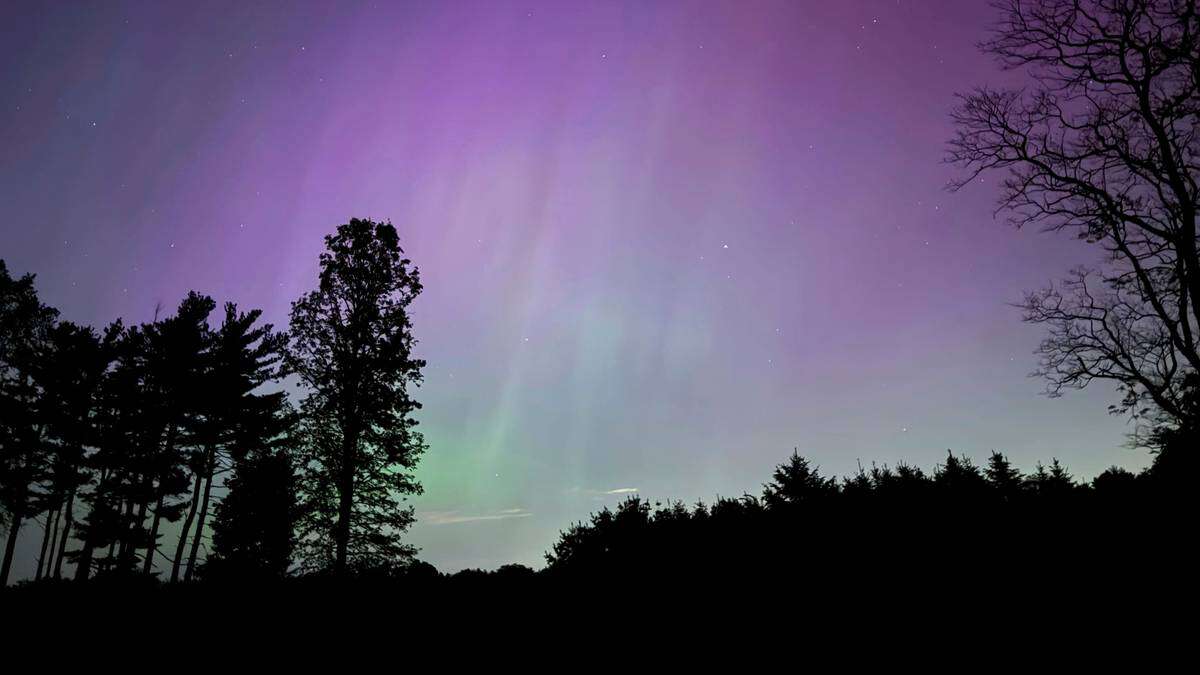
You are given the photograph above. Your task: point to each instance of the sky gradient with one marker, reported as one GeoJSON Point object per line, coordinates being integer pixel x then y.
{"type": "Point", "coordinates": [662, 243]}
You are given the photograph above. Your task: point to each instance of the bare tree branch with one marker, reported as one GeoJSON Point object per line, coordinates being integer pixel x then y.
{"type": "Point", "coordinates": [1103, 144]}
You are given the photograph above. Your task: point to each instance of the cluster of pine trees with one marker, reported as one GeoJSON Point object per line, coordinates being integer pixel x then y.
{"type": "Point", "coordinates": [108, 436]}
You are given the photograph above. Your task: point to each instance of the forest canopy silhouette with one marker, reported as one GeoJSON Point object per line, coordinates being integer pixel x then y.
{"type": "Point", "coordinates": [170, 453]}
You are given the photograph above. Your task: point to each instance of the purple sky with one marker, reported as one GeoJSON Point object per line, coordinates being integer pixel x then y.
{"type": "Point", "coordinates": [663, 243]}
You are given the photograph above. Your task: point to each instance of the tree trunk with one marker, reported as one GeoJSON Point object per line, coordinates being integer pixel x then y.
{"type": "Point", "coordinates": [53, 550]}
{"type": "Point", "coordinates": [112, 551]}
{"type": "Point", "coordinates": [9, 547]}
{"type": "Point", "coordinates": [133, 529]}
{"type": "Point", "coordinates": [46, 526]}
{"type": "Point", "coordinates": [69, 519]}
{"type": "Point", "coordinates": [152, 544]}
{"type": "Point", "coordinates": [83, 566]}
{"type": "Point", "coordinates": [54, 542]}
{"type": "Point", "coordinates": [124, 520]}
{"type": "Point", "coordinates": [128, 525]}
{"type": "Point", "coordinates": [209, 469]}
{"type": "Point", "coordinates": [187, 526]}
{"type": "Point", "coordinates": [345, 504]}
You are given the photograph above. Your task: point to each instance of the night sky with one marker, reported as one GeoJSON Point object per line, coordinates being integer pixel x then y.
{"type": "Point", "coordinates": [662, 243]}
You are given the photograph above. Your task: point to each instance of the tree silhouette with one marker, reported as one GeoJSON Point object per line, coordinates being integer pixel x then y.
{"type": "Point", "coordinates": [960, 479]}
{"type": "Point", "coordinates": [1102, 144]}
{"type": "Point", "coordinates": [1175, 443]}
{"type": "Point", "coordinates": [1117, 487]}
{"type": "Point", "coordinates": [253, 530]}
{"type": "Point", "coordinates": [1006, 481]}
{"type": "Point", "coordinates": [1052, 487]}
{"type": "Point", "coordinates": [351, 345]}
{"type": "Point", "coordinates": [25, 324]}
{"type": "Point", "coordinates": [68, 374]}
{"type": "Point", "coordinates": [796, 482]}
{"type": "Point", "coordinates": [905, 483]}
{"type": "Point", "coordinates": [177, 349]}
{"type": "Point", "coordinates": [235, 418]}
{"type": "Point", "coordinates": [118, 416]}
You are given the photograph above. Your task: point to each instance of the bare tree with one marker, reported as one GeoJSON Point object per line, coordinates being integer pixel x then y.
{"type": "Point", "coordinates": [1102, 144]}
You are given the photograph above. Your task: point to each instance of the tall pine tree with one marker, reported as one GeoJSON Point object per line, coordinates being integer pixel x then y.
{"type": "Point", "coordinates": [237, 418]}
{"type": "Point", "coordinates": [69, 373]}
{"type": "Point", "coordinates": [25, 324]}
{"type": "Point", "coordinates": [177, 349]}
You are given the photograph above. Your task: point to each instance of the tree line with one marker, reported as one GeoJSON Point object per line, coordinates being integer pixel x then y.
{"type": "Point", "coordinates": [106, 436]}
{"type": "Point", "coordinates": [1099, 142]}
{"type": "Point", "coordinates": [960, 517]}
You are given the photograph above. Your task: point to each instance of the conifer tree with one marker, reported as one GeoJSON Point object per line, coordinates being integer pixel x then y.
{"type": "Point", "coordinates": [796, 482]}
{"type": "Point", "coordinates": [176, 351]}
{"type": "Point", "coordinates": [25, 324]}
{"type": "Point", "coordinates": [237, 418]}
{"type": "Point", "coordinates": [116, 418]}
{"type": "Point", "coordinates": [69, 373]}
{"type": "Point", "coordinates": [1005, 479]}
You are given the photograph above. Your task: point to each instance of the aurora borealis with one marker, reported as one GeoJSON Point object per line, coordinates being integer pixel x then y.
{"type": "Point", "coordinates": [662, 243]}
